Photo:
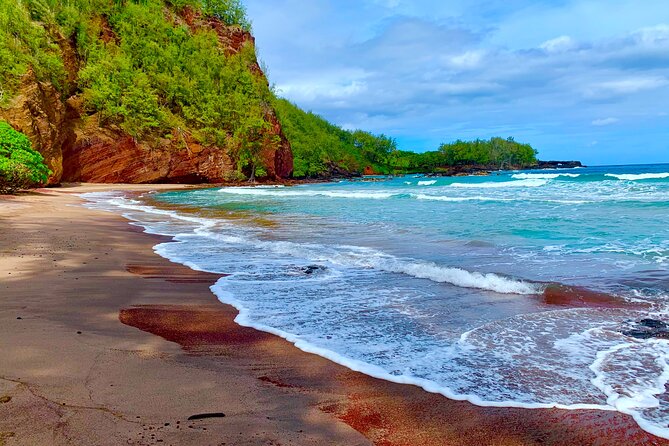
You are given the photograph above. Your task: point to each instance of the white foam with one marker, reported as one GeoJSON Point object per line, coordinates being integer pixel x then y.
{"type": "Point", "coordinates": [491, 198]}
{"type": "Point", "coordinates": [456, 276]}
{"type": "Point", "coordinates": [368, 258]}
{"type": "Point", "coordinates": [641, 176]}
{"type": "Point", "coordinates": [289, 192]}
{"type": "Point", "coordinates": [535, 182]}
{"type": "Point", "coordinates": [427, 183]}
{"type": "Point", "coordinates": [245, 319]}
{"type": "Point", "coordinates": [543, 176]}
{"type": "Point", "coordinates": [507, 340]}
{"type": "Point", "coordinates": [632, 376]}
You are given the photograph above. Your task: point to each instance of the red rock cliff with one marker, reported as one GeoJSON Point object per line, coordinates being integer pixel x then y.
{"type": "Point", "coordinates": [77, 149]}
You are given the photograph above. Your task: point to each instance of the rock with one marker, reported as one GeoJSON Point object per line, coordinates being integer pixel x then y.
{"type": "Point", "coordinates": [557, 165]}
{"type": "Point", "coordinates": [311, 269]}
{"type": "Point", "coordinates": [107, 155]}
{"type": "Point", "coordinates": [647, 329]}
{"type": "Point", "coordinates": [653, 323]}
{"type": "Point", "coordinates": [78, 148]}
{"type": "Point", "coordinates": [203, 416]}
{"type": "Point", "coordinates": [38, 112]}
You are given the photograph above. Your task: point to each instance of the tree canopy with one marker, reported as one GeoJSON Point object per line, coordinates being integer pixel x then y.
{"type": "Point", "coordinates": [321, 148]}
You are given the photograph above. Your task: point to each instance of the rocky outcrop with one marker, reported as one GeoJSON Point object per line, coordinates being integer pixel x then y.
{"type": "Point", "coordinates": [38, 112]}
{"type": "Point", "coordinates": [108, 155]}
{"type": "Point", "coordinates": [648, 329]}
{"type": "Point", "coordinates": [233, 39]}
{"type": "Point", "coordinates": [557, 165]}
{"type": "Point", "coordinates": [77, 148]}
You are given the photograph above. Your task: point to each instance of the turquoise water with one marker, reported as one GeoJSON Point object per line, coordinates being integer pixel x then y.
{"type": "Point", "coordinates": [441, 282]}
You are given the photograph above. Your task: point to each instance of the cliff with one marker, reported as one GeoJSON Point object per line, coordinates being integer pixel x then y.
{"type": "Point", "coordinates": [79, 144]}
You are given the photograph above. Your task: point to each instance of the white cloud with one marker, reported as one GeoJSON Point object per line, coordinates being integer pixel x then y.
{"type": "Point", "coordinates": [625, 86]}
{"type": "Point", "coordinates": [605, 121]}
{"type": "Point", "coordinates": [418, 70]}
{"type": "Point", "coordinates": [560, 44]}
{"type": "Point", "coordinates": [466, 60]}
{"type": "Point", "coordinates": [653, 35]}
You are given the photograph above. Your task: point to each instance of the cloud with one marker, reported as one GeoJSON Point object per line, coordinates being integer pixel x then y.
{"type": "Point", "coordinates": [625, 86]}
{"type": "Point", "coordinates": [559, 45]}
{"type": "Point", "coordinates": [605, 121]}
{"type": "Point", "coordinates": [427, 71]}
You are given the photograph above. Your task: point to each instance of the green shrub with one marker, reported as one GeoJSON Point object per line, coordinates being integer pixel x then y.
{"type": "Point", "coordinates": [231, 12]}
{"type": "Point", "coordinates": [20, 166]}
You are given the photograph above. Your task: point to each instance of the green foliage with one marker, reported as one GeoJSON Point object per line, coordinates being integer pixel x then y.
{"type": "Point", "coordinates": [231, 12]}
{"type": "Point", "coordinates": [25, 44]}
{"type": "Point", "coordinates": [20, 166]}
{"type": "Point", "coordinates": [142, 70]}
{"type": "Point", "coordinates": [319, 147]}
{"type": "Point", "coordinates": [496, 153]}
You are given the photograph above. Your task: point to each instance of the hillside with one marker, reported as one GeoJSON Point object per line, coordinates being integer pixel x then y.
{"type": "Point", "coordinates": [142, 91]}
{"type": "Point", "coordinates": [139, 91]}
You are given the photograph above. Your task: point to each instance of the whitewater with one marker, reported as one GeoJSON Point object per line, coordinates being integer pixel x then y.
{"type": "Point", "coordinates": [440, 282]}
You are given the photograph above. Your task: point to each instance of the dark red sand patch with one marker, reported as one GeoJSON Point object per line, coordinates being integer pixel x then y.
{"type": "Point", "coordinates": [578, 297]}
{"type": "Point", "coordinates": [388, 414]}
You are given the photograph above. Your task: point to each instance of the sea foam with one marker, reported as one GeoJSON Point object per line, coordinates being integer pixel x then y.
{"type": "Point", "coordinates": [290, 192]}
{"type": "Point", "coordinates": [641, 176]}
{"type": "Point", "coordinates": [533, 182]}
{"type": "Point", "coordinates": [543, 176]}
{"type": "Point", "coordinates": [572, 359]}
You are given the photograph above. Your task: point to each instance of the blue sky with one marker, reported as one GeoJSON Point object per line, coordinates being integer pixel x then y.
{"type": "Point", "coordinates": [578, 79]}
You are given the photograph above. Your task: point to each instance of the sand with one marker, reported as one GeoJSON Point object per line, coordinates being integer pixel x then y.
{"type": "Point", "coordinates": [102, 342]}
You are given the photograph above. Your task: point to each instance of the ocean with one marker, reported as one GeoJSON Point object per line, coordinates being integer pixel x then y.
{"type": "Point", "coordinates": [521, 289]}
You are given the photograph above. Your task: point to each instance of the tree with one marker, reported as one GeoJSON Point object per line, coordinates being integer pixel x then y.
{"type": "Point", "coordinates": [20, 166]}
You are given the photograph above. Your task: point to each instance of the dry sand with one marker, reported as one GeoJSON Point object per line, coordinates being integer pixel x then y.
{"type": "Point", "coordinates": [102, 342]}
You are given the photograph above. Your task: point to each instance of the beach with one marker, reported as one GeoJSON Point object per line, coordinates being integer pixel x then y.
{"type": "Point", "coordinates": [104, 342]}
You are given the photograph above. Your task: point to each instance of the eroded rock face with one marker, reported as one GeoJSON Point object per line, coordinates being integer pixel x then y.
{"type": "Point", "coordinates": [106, 155]}
{"type": "Point", "coordinates": [78, 149]}
{"type": "Point", "coordinates": [38, 112]}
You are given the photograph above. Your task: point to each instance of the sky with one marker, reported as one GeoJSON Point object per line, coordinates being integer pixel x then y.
{"type": "Point", "coordinates": [577, 79]}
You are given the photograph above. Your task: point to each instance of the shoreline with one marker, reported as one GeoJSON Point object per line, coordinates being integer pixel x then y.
{"type": "Point", "coordinates": [268, 389]}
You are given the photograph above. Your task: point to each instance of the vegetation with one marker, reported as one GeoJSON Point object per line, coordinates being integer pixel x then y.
{"type": "Point", "coordinates": [20, 166]}
{"type": "Point", "coordinates": [144, 70]}
{"type": "Point", "coordinates": [321, 148]}
{"type": "Point", "coordinates": [495, 153]}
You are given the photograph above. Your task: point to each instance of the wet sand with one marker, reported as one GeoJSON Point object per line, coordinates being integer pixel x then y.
{"type": "Point", "coordinates": [102, 342]}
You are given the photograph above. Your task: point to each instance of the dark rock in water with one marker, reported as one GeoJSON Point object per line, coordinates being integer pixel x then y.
{"type": "Point", "coordinates": [647, 329]}
{"type": "Point", "coordinates": [311, 269]}
{"type": "Point", "coordinates": [653, 323]}
{"type": "Point", "coordinates": [203, 416]}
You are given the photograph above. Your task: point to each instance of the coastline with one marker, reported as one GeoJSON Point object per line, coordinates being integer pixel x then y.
{"type": "Point", "coordinates": [67, 269]}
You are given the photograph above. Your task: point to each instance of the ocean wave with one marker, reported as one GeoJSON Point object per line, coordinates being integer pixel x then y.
{"type": "Point", "coordinates": [543, 176]}
{"type": "Point", "coordinates": [641, 176]}
{"type": "Point", "coordinates": [500, 199]}
{"type": "Point", "coordinates": [361, 257]}
{"type": "Point", "coordinates": [458, 199]}
{"type": "Point", "coordinates": [633, 376]}
{"type": "Point", "coordinates": [535, 182]}
{"type": "Point", "coordinates": [427, 183]}
{"type": "Point", "coordinates": [454, 276]}
{"type": "Point", "coordinates": [287, 192]}
{"type": "Point", "coordinates": [344, 255]}
{"type": "Point", "coordinates": [493, 350]}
